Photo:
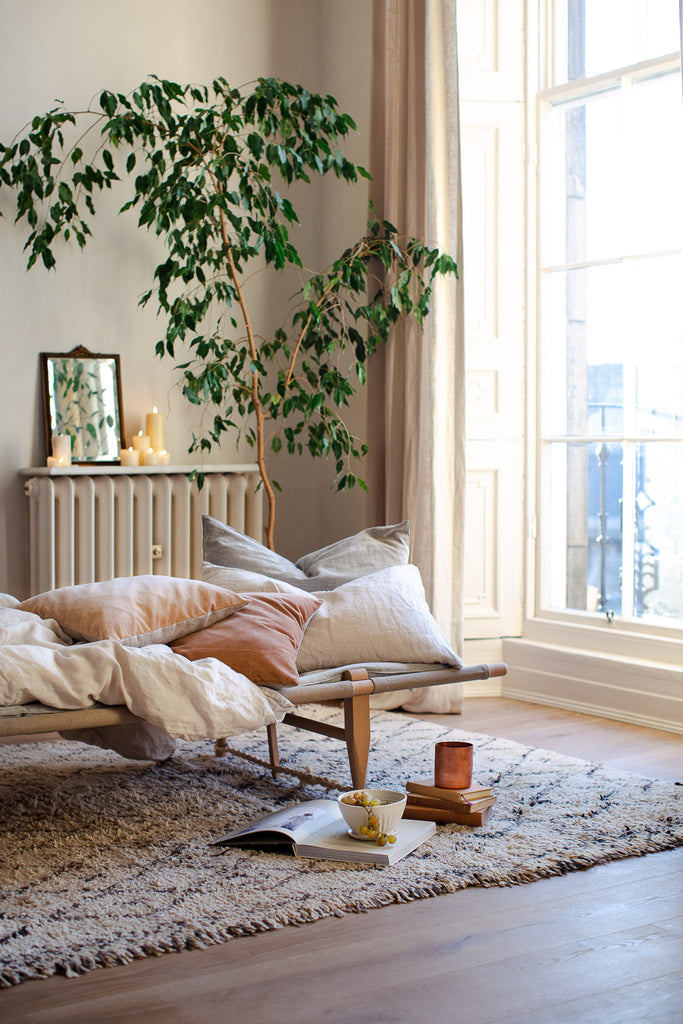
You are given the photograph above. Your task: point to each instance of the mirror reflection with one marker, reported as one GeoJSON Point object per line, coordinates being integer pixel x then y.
{"type": "Point", "coordinates": [82, 399]}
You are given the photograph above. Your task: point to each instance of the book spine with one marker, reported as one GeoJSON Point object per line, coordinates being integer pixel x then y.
{"type": "Point", "coordinates": [451, 796]}
{"type": "Point", "coordinates": [418, 800]}
{"type": "Point", "coordinates": [448, 817]}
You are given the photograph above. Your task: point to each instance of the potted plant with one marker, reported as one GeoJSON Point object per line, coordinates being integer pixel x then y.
{"type": "Point", "coordinates": [209, 168]}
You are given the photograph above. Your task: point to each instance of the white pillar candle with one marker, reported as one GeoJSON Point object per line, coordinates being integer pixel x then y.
{"type": "Point", "coordinates": [141, 442]}
{"type": "Point", "coordinates": [130, 457]}
{"type": "Point", "coordinates": [155, 427]}
{"type": "Point", "coordinates": [55, 463]}
{"type": "Point", "coordinates": [149, 458]}
{"type": "Point", "coordinates": [164, 458]}
{"type": "Point", "coordinates": [61, 448]}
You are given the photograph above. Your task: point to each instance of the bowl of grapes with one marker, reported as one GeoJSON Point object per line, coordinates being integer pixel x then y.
{"type": "Point", "coordinates": [373, 814]}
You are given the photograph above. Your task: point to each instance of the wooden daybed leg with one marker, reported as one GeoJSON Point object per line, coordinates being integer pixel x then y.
{"type": "Point", "coordinates": [221, 747]}
{"type": "Point", "coordinates": [273, 749]}
{"type": "Point", "coordinates": [357, 736]}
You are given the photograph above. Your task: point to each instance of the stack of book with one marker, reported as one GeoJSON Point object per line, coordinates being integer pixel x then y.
{"type": "Point", "coordinates": [472, 806]}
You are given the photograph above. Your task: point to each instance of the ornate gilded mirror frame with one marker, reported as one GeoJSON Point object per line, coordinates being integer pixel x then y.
{"type": "Point", "coordinates": [82, 399]}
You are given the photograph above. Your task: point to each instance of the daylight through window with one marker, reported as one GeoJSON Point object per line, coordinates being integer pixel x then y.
{"type": "Point", "coordinates": [611, 321]}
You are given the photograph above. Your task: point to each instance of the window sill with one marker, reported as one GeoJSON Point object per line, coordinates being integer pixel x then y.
{"type": "Point", "coordinates": [637, 683]}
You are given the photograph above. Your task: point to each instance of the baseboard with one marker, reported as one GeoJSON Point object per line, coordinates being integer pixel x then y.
{"type": "Point", "coordinates": [640, 693]}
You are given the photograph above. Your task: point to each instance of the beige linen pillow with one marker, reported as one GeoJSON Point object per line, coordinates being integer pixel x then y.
{"type": "Point", "coordinates": [245, 582]}
{"type": "Point", "coordinates": [383, 617]}
{"type": "Point", "coordinates": [135, 610]}
{"type": "Point", "coordinates": [378, 547]}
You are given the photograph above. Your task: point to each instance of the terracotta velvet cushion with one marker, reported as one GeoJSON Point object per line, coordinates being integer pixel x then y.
{"type": "Point", "coordinates": [261, 640]}
{"type": "Point", "coordinates": [135, 610]}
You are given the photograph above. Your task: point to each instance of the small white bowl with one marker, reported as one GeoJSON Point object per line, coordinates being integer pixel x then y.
{"type": "Point", "coordinates": [389, 810]}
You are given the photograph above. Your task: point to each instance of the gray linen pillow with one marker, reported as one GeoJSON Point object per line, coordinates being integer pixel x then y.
{"type": "Point", "coordinates": [378, 547]}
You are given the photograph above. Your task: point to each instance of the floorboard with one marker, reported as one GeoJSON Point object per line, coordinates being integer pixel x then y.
{"type": "Point", "coordinates": [602, 945]}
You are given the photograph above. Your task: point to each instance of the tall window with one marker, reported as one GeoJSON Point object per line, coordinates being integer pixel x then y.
{"type": "Point", "coordinates": [611, 312]}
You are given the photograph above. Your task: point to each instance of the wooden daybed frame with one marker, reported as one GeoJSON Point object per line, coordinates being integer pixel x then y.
{"type": "Point", "coordinates": [353, 690]}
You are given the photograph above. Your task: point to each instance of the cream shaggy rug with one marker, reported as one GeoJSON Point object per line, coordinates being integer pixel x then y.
{"type": "Point", "coordinates": [104, 860]}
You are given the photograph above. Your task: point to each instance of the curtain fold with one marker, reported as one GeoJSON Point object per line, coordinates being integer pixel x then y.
{"type": "Point", "coordinates": [416, 384]}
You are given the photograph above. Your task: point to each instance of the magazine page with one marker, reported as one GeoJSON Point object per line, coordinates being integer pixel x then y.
{"type": "Point", "coordinates": [295, 823]}
{"type": "Point", "coordinates": [334, 842]}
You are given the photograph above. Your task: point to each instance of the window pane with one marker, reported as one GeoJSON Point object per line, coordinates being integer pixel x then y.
{"type": "Point", "coordinates": [651, 176]}
{"type": "Point", "coordinates": [613, 349]}
{"type": "Point", "coordinates": [616, 516]}
{"type": "Point", "coordinates": [582, 154]}
{"type": "Point", "coordinates": [598, 35]}
{"type": "Point", "coordinates": [586, 488]}
{"type": "Point", "coordinates": [658, 568]}
{"type": "Point", "coordinates": [612, 166]}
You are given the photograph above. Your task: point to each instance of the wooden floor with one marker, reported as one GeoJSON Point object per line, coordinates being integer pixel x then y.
{"type": "Point", "coordinates": [603, 946]}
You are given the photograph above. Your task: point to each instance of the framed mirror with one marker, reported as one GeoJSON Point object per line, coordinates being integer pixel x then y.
{"type": "Point", "coordinates": [82, 399]}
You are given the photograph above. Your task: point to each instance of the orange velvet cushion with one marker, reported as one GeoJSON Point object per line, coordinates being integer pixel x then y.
{"type": "Point", "coordinates": [260, 640]}
{"type": "Point", "coordinates": [135, 610]}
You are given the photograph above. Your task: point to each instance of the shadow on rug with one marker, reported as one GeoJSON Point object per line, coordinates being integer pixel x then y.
{"type": "Point", "coordinates": [103, 861]}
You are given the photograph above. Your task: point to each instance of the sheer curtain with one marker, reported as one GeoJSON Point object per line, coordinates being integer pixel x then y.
{"type": "Point", "coordinates": [416, 417]}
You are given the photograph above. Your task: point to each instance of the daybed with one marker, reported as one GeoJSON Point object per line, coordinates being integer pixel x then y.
{"type": "Point", "coordinates": [353, 689]}
{"type": "Point", "coordinates": [131, 663]}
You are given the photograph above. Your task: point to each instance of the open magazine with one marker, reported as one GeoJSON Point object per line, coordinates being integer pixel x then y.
{"type": "Point", "coordinates": [316, 828]}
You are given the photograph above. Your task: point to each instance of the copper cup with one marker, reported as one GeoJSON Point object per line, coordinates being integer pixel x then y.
{"type": "Point", "coordinates": [453, 764]}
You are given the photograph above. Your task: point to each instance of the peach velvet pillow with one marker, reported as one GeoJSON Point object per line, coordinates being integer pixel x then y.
{"type": "Point", "coordinates": [135, 610]}
{"type": "Point", "coordinates": [261, 640]}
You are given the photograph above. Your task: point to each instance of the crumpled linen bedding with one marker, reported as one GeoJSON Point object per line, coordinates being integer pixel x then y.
{"type": "Point", "coordinates": [176, 698]}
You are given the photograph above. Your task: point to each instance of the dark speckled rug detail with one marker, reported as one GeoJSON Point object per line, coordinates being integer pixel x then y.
{"type": "Point", "coordinates": [103, 861]}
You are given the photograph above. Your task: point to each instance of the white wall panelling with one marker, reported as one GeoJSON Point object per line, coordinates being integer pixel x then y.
{"type": "Point", "coordinates": [490, 42]}
{"type": "Point", "coordinates": [491, 61]}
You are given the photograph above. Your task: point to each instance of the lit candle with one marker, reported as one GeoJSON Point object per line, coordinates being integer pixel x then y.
{"type": "Point", "coordinates": [130, 457]}
{"type": "Point", "coordinates": [164, 458]}
{"type": "Point", "coordinates": [141, 442]}
{"type": "Point", "coordinates": [61, 448]}
{"type": "Point", "coordinates": [55, 463]}
{"type": "Point", "coordinates": [154, 426]}
{"type": "Point", "coordinates": [149, 458]}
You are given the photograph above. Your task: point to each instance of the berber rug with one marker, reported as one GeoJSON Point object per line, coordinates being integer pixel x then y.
{"type": "Point", "coordinates": [104, 860]}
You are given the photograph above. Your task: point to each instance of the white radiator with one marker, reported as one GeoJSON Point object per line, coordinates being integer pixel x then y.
{"type": "Point", "coordinates": [88, 526]}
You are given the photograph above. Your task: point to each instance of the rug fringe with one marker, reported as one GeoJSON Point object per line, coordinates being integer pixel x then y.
{"type": "Point", "coordinates": [207, 937]}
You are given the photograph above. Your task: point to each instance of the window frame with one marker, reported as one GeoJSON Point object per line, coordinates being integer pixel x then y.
{"type": "Point", "coordinates": [568, 628]}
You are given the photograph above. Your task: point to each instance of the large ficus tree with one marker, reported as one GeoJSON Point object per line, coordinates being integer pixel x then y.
{"type": "Point", "coordinates": [209, 169]}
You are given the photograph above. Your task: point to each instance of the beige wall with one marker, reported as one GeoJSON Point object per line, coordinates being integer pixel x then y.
{"type": "Point", "coordinates": [72, 51]}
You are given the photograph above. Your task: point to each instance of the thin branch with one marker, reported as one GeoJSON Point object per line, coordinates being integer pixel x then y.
{"type": "Point", "coordinates": [256, 401]}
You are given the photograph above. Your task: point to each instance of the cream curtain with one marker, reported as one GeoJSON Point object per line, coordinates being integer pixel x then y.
{"type": "Point", "coordinates": [416, 418]}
